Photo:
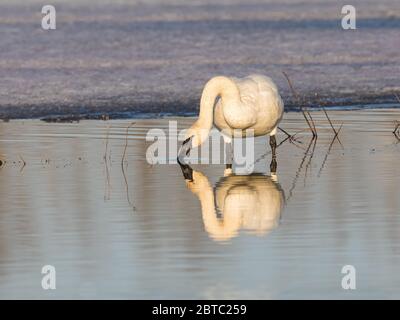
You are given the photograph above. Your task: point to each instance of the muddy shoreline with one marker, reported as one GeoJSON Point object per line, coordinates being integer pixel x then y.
{"type": "Point", "coordinates": [134, 59]}
{"type": "Point", "coordinates": [60, 112]}
{"type": "Point", "coordinates": [131, 60]}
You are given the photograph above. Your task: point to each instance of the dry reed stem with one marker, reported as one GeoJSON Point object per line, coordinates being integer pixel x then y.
{"type": "Point", "coordinates": [126, 143]}
{"type": "Point", "coordinates": [297, 97]}
{"type": "Point", "coordinates": [123, 169]}
{"type": "Point", "coordinates": [330, 122]}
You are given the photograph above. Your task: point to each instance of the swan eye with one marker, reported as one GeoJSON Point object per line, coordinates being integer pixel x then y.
{"type": "Point", "coordinates": [187, 140]}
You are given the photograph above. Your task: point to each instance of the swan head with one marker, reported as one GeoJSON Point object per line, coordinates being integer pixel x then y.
{"type": "Point", "coordinates": [187, 171]}
{"type": "Point", "coordinates": [194, 137]}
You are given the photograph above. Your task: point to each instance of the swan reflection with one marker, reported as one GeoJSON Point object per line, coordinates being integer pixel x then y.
{"type": "Point", "coordinates": [238, 202]}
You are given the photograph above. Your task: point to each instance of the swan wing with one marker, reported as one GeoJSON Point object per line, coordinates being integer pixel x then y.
{"type": "Point", "coordinates": [268, 98]}
{"type": "Point", "coordinates": [255, 89]}
{"type": "Point", "coordinates": [247, 117]}
{"type": "Point", "coordinates": [261, 105]}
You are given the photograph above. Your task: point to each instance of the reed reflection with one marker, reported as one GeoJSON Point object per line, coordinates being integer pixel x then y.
{"type": "Point", "coordinates": [252, 203]}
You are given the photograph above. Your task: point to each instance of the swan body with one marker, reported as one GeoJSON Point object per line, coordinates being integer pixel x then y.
{"type": "Point", "coordinates": [246, 103]}
{"type": "Point", "coordinates": [264, 107]}
{"type": "Point", "coordinates": [253, 203]}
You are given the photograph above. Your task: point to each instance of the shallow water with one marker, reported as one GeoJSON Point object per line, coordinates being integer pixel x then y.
{"type": "Point", "coordinates": [142, 232]}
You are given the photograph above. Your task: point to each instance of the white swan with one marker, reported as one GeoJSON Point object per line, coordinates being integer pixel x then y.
{"type": "Point", "coordinates": [252, 102]}
{"type": "Point", "coordinates": [253, 203]}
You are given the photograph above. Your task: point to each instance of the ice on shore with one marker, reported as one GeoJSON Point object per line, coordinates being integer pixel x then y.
{"type": "Point", "coordinates": [155, 56]}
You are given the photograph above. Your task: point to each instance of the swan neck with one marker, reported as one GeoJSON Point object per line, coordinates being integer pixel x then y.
{"type": "Point", "coordinates": [222, 87]}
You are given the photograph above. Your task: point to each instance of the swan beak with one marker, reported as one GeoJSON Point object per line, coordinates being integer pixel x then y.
{"type": "Point", "coordinates": [187, 171]}
{"type": "Point", "coordinates": [185, 148]}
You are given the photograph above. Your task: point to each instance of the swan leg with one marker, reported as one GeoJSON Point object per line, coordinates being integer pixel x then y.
{"type": "Point", "coordinates": [272, 143]}
{"type": "Point", "coordinates": [228, 151]}
{"type": "Point", "coordinates": [229, 159]}
{"type": "Point", "coordinates": [229, 155]}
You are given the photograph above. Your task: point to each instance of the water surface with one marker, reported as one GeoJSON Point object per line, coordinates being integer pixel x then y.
{"type": "Point", "coordinates": [141, 231]}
